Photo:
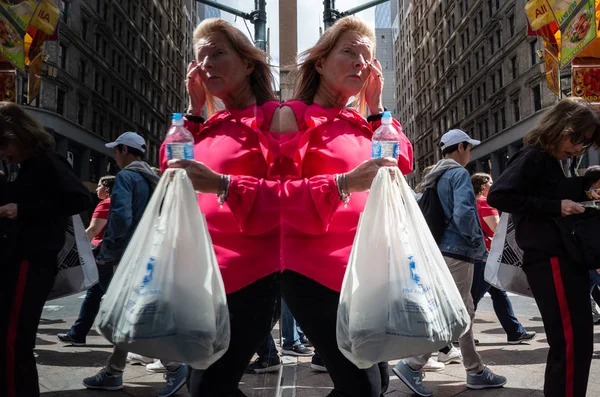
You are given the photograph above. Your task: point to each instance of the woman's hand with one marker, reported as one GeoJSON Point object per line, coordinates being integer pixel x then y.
{"type": "Point", "coordinates": [568, 207]}
{"type": "Point", "coordinates": [195, 89]}
{"type": "Point", "coordinates": [361, 178]}
{"type": "Point", "coordinates": [203, 178]}
{"type": "Point", "coordinates": [374, 88]}
{"type": "Point", "coordinates": [8, 211]}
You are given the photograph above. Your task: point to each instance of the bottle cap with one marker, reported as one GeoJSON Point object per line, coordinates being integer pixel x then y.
{"type": "Point", "coordinates": [177, 116]}
{"type": "Point", "coordinates": [387, 117]}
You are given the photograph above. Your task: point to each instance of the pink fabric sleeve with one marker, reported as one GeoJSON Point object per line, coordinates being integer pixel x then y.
{"type": "Point", "coordinates": [254, 203]}
{"type": "Point", "coordinates": [309, 204]}
{"type": "Point", "coordinates": [405, 155]}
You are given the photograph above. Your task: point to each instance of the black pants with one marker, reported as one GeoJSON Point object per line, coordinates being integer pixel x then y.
{"type": "Point", "coordinates": [24, 288]}
{"type": "Point", "coordinates": [561, 291]}
{"type": "Point", "coordinates": [315, 308]}
{"type": "Point", "coordinates": [253, 311]}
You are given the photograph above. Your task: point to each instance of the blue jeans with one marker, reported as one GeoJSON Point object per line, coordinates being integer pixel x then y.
{"type": "Point", "coordinates": [289, 328]}
{"type": "Point", "coordinates": [502, 306]}
{"type": "Point", "coordinates": [91, 304]}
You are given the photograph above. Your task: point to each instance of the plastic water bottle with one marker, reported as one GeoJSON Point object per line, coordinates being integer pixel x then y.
{"type": "Point", "coordinates": [179, 142]}
{"type": "Point", "coordinates": [385, 139]}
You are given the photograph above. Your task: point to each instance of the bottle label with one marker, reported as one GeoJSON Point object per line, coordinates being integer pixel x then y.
{"type": "Point", "coordinates": [182, 151]}
{"type": "Point", "coordinates": [385, 149]}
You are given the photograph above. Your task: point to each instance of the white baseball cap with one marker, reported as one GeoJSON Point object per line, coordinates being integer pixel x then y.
{"type": "Point", "coordinates": [130, 139]}
{"type": "Point", "coordinates": [454, 137]}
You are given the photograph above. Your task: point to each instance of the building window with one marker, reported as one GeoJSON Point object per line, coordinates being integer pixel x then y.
{"type": "Point", "coordinates": [496, 123]}
{"type": "Point", "coordinates": [516, 110]}
{"type": "Point", "coordinates": [499, 38]}
{"type": "Point", "coordinates": [84, 28]}
{"type": "Point", "coordinates": [537, 98]}
{"type": "Point", "coordinates": [513, 64]}
{"type": "Point", "coordinates": [503, 117]}
{"type": "Point", "coordinates": [82, 70]}
{"type": "Point", "coordinates": [60, 101]}
{"type": "Point", "coordinates": [533, 51]}
{"type": "Point", "coordinates": [81, 111]}
{"type": "Point", "coordinates": [64, 8]}
{"type": "Point", "coordinates": [484, 87]}
{"type": "Point", "coordinates": [500, 78]}
{"type": "Point", "coordinates": [62, 56]}
{"type": "Point", "coordinates": [511, 25]}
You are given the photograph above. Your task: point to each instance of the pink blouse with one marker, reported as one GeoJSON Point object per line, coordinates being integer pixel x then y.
{"type": "Point", "coordinates": [246, 231]}
{"type": "Point", "coordinates": [317, 230]}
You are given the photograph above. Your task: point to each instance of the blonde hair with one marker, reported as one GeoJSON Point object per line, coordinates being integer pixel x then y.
{"type": "Point", "coordinates": [307, 77]}
{"type": "Point", "coordinates": [573, 117]}
{"type": "Point", "coordinates": [261, 78]}
{"type": "Point", "coordinates": [20, 129]}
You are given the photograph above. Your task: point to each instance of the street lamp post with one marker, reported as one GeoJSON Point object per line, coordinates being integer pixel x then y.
{"type": "Point", "coordinates": [330, 15]}
{"type": "Point", "coordinates": [258, 17]}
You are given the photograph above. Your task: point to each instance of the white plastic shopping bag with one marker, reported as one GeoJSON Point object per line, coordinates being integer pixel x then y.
{"type": "Point", "coordinates": [77, 271]}
{"type": "Point", "coordinates": [167, 298]}
{"type": "Point", "coordinates": [398, 297]}
{"type": "Point", "coordinates": [504, 266]}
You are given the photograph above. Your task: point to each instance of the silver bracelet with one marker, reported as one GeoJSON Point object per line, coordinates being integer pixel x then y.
{"type": "Point", "coordinates": [224, 189]}
{"type": "Point", "coordinates": [342, 186]}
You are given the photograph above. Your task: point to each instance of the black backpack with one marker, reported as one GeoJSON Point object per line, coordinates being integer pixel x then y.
{"type": "Point", "coordinates": [432, 210]}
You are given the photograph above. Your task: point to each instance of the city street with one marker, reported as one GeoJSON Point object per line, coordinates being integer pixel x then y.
{"type": "Point", "coordinates": [61, 368]}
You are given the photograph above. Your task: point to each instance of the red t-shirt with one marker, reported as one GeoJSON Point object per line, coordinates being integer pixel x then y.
{"type": "Point", "coordinates": [484, 210]}
{"type": "Point", "coordinates": [101, 212]}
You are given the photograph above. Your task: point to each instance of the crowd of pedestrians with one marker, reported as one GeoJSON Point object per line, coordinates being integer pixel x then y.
{"type": "Point", "coordinates": [282, 187]}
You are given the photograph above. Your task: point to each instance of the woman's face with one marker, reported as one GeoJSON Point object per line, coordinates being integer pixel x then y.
{"type": "Point", "coordinates": [346, 68]}
{"type": "Point", "coordinates": [222, 70]}
{"type": "Point", "coordinates": [101, 191]}
{"type": "Point", "coordinates": [11, 153]}
{"type": "Point", "coordinates": [568, 149]}
{"type": "Point", "coordinates": [486, 187]}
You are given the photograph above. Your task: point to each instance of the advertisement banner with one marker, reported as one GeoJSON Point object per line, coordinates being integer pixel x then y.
{"type": "Point", "coordinates": [34, 81]}
{"type": "Point", "coordinates": [20, 12]}
{"type": "Point", "coordinates": [586, 81]}
{"type": "Point", "coordinates": [11, 43]}
{"type": "Point", "coordinates": [552, 71]}
{"type": "Point", "coordinates": [8, 85]}
{"type": "Point", "coordinates": [563, 9]}
{"type": "Point", "coordinates": [579, 31]}
{"type": "Point", "coordinates": [539, 13]}
{"type": "Point", "coordinates": [46, 17]}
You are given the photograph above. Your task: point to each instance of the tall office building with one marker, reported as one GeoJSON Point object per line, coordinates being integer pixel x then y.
{"type": "Point", "coordinates": [117, 66]}
{"type": "Point", "coordinates": [475, 69]}
{"type": "Point", "coordinates": [403, 61]}
{"type": "Point", "coordinates": [288, 46]}
{"type": "Point", "coordinates": [385, 53]}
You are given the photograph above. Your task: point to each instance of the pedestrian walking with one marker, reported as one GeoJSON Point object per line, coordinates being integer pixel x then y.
{"type": "Point", "coordinates": [34, 213]}
{"type": "Point", "coordinates": [131, 193]}
{"type": "Point", "coordinates": [461, 245]}
{"type": "Point", "coordinates": [76, 336]}
{"type": "Point", "coordinates": [489, 219]}
{"type": "Point", "coordinates": [234, 156]}
{"type": "Point", "coordinates": [330, 145]}
{"type": "Point", "coordinates": [535, 189]}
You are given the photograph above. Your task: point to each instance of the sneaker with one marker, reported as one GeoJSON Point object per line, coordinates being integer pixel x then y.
{"type": "Point", "coordinates": [156, 367]}
{"type": "Point", "coordinates": [453, 356]}
{"type": "Point", "coordinates": [260, 366]}
{"type": "Point", "coordinates": [526, 337]}
{"type": "Point", "coordinates": [297, 350]}
{"type": "Point", "coordinates": [485, 380]}
{"type": "Point", "coordinates": [134, 358]}
{"type": "Point", "coordinates": [317, 364]}
{"type": "Point", "coordinates": [412, 379]}
{"type": "Point", "coordinates": [104, 381]}
{"type": "Point", "coordinates": [304, 341]}
{"type": "Point", "coordinates": [175, 380]}
{"type": "Point", "coordinates": [433, 366]}
{"type": "Point", "coordinates": [474, 340]}
{"type": "Point", "coordinates": [66, 338]}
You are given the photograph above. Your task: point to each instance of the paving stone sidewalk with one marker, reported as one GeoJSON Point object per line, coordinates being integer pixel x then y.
{"type": "Point", "coordinates": [61, 368]}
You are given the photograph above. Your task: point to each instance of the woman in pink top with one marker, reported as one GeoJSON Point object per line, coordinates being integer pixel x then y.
{"type": "Point", "coordinates": [231, 173]}
{"type": "Point", "coordinates": [322, 202]}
